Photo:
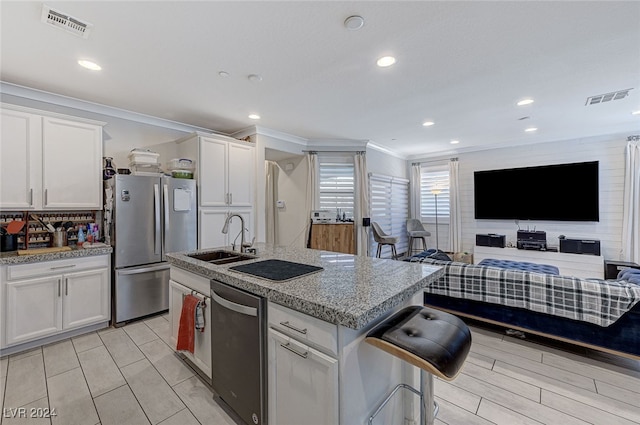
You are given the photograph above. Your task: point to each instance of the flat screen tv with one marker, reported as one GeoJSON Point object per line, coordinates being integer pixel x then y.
{"type": "Point", "coordinates": [562, 192]}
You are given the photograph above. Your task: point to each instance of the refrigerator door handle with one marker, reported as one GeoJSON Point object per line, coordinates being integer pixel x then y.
{"type": "Point", "coordinates": [166, 217]}
{"type": "Point", "coordinates": [156, 218]}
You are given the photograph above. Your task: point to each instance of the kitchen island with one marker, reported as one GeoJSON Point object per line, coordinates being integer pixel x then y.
{"type": "Point", "coordinates": [319, 368]}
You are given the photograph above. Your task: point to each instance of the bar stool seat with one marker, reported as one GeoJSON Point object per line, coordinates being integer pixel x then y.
{"type": "Point", "coordinates": [415, 230]}
{"type": "Point", "coordinates": [383, 239]}
{"type": "Point", "coordinates": [436, 342]}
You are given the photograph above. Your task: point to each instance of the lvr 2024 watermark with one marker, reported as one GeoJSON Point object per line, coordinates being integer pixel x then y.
{"type": "Point", "coordinates": [28, 412]}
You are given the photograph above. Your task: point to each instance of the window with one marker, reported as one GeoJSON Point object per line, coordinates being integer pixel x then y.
{"type": "Point", "coordinates": [434, 178]}
{"type": "Point", "coordinates": [336, 184]}
{"type": "Point", "coordinates": [389, 200]}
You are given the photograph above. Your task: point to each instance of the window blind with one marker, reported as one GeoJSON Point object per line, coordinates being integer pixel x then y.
{"type": "Point", "coordinates": [389, 203]}
{"type": "Point", "coordinates": [336, 185]}
{"type": "Point", "coordinates": [434, 177]}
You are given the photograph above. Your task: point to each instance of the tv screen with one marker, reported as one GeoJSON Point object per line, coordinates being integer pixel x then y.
{"type": "Point", "coordinates": [563, 192]}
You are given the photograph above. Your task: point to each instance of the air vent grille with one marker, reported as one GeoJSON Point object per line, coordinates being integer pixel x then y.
{"type": "Point", "coordinates": [64, 21]}
{"type": "Point", "coordinates": [607, 97]}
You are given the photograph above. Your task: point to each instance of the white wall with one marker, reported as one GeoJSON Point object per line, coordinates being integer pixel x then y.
{"type": "Point", "coordinates": [287, 145]}
{"type": "Point", "coordinates": [292, 188]}
{"type": "Point", "coordinates": [609, 150]}
{"type": "Point", "coordinates": [383, 163]}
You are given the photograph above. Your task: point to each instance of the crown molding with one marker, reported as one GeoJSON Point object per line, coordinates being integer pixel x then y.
{"type": "Point", "coordinates": [96, 108]}
{"type": "Point", "coordinates": [386, 151]}
{"type": "Point", "coordinates": [264, 131]}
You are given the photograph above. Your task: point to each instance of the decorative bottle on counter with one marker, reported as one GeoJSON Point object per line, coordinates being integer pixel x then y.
{"type": "Point", "coordinates": [80, 236]}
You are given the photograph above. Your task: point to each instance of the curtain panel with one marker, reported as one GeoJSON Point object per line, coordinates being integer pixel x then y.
{"type": "Point", "coordinates": [362, 203]}
{"type": "Point", "coordinates": [631, 206]}
{"type": "Point", "coordinates": [455, 222]}
{"type": "Point", "coordinates": [271, 197]}
{"type": "Point", "coordinates": [312, 187]}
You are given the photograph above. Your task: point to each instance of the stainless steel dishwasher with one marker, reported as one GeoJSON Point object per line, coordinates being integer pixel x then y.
{"type": "Point", "coordinates": [238, 351]}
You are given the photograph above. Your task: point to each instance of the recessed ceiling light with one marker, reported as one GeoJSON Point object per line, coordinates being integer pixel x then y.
{"type": "Point", "coordinates": [254, 78]}
{"type": "Point", "coordinates": [525, 102]}
{"type": "Point", "coordinates": [455, 142]}
{"type": "Point", "coordinates": [89, 65]}
{"type": "Point", "coordinates": [254, 116]}
{"type": "Point", "coordinates": [428, 123]}
{"type": "Point", "coordinates": [386, 61]}
{"type": "Point", "coordinates": [354, 22]}
{"type": "Point", "coordinates": [636, 112]}
{"type": "Point", "coordinates": [530, 129]}
{"type": "Point", "coordinates": [223, 74]}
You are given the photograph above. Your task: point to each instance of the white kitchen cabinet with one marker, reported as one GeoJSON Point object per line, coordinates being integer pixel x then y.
{"type": "Point", "coordinates": [20, 159]}
{"type": "Point", "coordinates": [33, 309]}
{"type": "Point", "coordinates": [211, 221]}
{"type": "Point", "coordinates": [49, 161]}
{"type": "Point", "coordinates": [72, 164]}
{"type": "Point", "coordinates": [86, 298]}
{"type": "Point", "coordinates": [241, 175]}
{"type": "Point", "coordinates": [213, 172]}
{"type": "Point", "coordinates": [225, 174]}
{"type": "Point", "coordinates": [181, 284]}
{"type": "Point", "coordinates": [48, 298]}
{"type": "Point", "coordinates": [303, 383]}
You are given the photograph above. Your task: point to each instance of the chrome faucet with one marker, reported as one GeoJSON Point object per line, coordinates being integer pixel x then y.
{"type": "Point", "coordinates": [225, 230]}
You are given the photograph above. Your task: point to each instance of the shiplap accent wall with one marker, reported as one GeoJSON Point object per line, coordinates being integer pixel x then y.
{"type": "Point", "coordinates": [608, 150]}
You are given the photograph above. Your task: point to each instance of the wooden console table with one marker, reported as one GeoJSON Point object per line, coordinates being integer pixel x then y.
{"type": "Point", "coordinates": [578, 265]}
{"type": "Point", "coordinates": [337, 237]}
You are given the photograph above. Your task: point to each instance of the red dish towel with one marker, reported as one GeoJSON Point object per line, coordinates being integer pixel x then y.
{"type": "Point", "coordinates": [186, 330]}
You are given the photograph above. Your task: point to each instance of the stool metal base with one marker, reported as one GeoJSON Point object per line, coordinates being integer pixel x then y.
{"type": "Point", "coordinates": [428, 406]}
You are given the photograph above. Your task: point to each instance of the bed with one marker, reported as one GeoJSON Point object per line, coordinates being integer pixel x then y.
{"type": "Point", "coordinates": [596, 313]}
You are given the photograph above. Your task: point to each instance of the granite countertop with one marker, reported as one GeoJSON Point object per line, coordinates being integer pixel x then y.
{"type": "Point", "coordinates": [14, 258]}
{"type": "Point", "coordinates": [351, 290]}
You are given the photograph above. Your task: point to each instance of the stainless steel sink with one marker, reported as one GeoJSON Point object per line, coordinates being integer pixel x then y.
{"type": "Point", "coordinates": [221, 257]}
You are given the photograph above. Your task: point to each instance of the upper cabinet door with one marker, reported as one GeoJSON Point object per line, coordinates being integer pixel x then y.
{"type": "Point", "coordinates": [20, 160]}
{"type": "Point", "coordinates": [241, 175]}
{"type": "Point", "coordinates": [212, 172]}
{"type": "Point", "coordinates": [72, 164]}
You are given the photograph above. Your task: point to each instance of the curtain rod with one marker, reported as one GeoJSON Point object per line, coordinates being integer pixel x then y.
{"type": "Point", "coordinates": [316, 151]}
{"type": "Point", "coordinates": [435, 160]}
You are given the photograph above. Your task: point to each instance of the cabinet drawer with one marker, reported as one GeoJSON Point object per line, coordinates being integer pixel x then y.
{"type": "Point", "coordinates": [191, 280]}
{"type": "Point", "coordinates": [303, 327]}
{"type": "Point", "coordinates": [47, 268]}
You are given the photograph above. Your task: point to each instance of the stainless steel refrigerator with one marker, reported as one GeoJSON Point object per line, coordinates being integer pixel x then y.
{"type": "Point", "coordinates": [147, 217]}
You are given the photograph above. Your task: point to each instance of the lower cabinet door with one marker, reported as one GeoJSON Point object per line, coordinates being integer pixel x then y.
{"type": "Point", "coordinates": [303, 383]}
{"type": "Point", "coordinates": [86, 298]}
{"type": "Point", "coordinates": [211, 222]}
{"type": "Point", "coordinates": [201, 356]}
{"type": "Point", "coordinates": [34, 309]}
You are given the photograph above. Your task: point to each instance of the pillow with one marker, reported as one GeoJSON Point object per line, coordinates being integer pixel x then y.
{"type": "Point", "coordinates": [440, 255]}
{"type": "Point", "coordinates": [425, 253]}
{"type": "Point", "coordinates": [630, 275]}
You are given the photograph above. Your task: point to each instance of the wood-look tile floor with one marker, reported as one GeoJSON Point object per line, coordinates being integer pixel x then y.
{"type": "Point", "coordinates": [130, 375]}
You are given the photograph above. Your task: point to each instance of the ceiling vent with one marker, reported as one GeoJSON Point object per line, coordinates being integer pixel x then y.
{"type": "Point", "coordinates": [601, 98]}
{"type": "Point", "coordinates": [62, 20]}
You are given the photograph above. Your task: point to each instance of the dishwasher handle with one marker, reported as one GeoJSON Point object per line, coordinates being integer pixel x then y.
{"type": "Point", "coordinates": [238, 308]}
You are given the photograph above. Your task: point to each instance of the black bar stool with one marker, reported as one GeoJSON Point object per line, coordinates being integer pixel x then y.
{"type": "Point", "coordinates": [435, 341]}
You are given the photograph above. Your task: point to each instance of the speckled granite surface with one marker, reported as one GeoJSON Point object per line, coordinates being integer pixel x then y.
{"type": "Point", "coordinates": [14, 258]}
{"type": "Point", "coordinates": [351, 290]}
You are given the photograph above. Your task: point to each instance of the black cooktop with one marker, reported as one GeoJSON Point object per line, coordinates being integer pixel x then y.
{"type": "Point", "coordinates": [276, 270]}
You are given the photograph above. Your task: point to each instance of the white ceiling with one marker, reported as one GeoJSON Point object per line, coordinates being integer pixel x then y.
{"type": "Point", "coordinates": [463, 65]}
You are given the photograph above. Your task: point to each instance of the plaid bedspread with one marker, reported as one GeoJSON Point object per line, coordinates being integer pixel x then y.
{"type": "Point", "coordinates": [597, 301]}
